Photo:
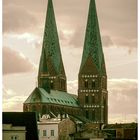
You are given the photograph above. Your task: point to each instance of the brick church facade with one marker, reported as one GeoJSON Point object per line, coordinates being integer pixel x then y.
{"type": "Point", "coordinates": [50, 96]}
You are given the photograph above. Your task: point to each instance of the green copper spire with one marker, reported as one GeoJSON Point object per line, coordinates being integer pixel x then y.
{"type": "Point", "coordinates": [92, 44]}
{"type": "Point", "coordinates": [51, 48]}
{"type": "Point", "coordinates": [51, 64]}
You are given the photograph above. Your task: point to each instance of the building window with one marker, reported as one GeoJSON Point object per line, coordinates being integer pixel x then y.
{"type": "Point", "coordinates": [62, 83]}
{"type": "Point", "coordinates": [86, 84]}
{"type": "Point", "coordinates": [51, 85]}
{"type": "Point", "coordinates": [52, 132]}
{"type": "Point", "coordinates": [44, 133]}
{"type": "Point", "coordinates": [14, 138]}
{"type": "Point", "coordinates": [93, 115]}
{"type": "Point", "coordinates": [93, 99]}
{"type": "Point", "coordinates": [86, 99]}
{"type": "Point", "coordinates": [87, 114]}
{"type": "Point", "coordinates": [93, 84]}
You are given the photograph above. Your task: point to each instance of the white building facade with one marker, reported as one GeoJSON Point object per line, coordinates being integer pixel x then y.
{"type": "Point", "coordinates": [55, 129]}
{"type": "Point", "coordinates": [48, 130]}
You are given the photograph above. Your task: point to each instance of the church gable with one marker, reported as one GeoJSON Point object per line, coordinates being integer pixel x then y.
{"type": "Point", "coordinates": [89, 67]}
{"type": "Point", "coordinates": [34, 97]}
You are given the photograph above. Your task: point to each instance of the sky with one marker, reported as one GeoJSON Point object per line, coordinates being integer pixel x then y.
{"type": "Point", "coordinates": [23, 27]}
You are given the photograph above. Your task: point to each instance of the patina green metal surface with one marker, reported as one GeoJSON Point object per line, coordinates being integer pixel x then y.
{"type": "Point", "coordinates": [39, 95]}
{"type": "Point", "coordinates": [51, 48]}
{"type": "Point", "coordinates": [93, 44]}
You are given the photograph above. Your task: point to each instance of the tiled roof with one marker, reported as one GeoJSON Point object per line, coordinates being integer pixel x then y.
{"type": "Point", "coordinates": [39, 95]}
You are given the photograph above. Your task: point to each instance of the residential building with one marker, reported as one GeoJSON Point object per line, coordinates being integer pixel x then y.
{"type": "Point", "coordinates": [18, 124]}
{"type": "Point", "coordinates": [55, 128]}
{"type": "Point", "coordinates": [126, 131]}
{"type": "Point", "coordinates": [13, 132]}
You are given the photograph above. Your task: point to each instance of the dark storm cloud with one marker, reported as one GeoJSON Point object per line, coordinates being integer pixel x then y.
{"type": "Point", "coordinates": [117, 18]}
{"type": "Point", "coordinates": [13, 62]}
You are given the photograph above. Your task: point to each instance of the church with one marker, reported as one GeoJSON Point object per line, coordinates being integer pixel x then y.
{"type": "Point", "coordinates": [51, 96]}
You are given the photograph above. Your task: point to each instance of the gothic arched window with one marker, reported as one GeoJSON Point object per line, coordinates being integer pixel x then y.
{"type": "Point", "coordinates": [93, 84]}
{"type": "Point", "coordinates": [86, 83]}
{"type": "Point", "coordinates": [51, 84]}
{"type": "Point", "coordinates": [87, 114]}
{"type": "Point", "coordinates": [93, 99]}
{"type": "Point", "coordinates": [93, 115]}
{"type": "Point", "coordinates": [86, 99]}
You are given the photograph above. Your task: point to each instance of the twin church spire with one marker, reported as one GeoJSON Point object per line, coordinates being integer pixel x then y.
{"type": "Point", "coordinates": [92, 78]}
{"type": "Point", "coordinates": [51, 63]}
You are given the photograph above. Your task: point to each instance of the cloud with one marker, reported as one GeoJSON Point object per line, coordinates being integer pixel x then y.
{"type": "Point", "coordinates": [107, 41]}
{"type": "Point", "coordinates": [15, 62]}
{"type": "Point", "coordinates": [122, 118]}
{"type": "Point", "coordinates": [12, 101]}
{"type": "Point", "coordinates": [77, 39]}
{"type": "Point", "coordinates": [17, 19]}
{"type": "Point", "coordinates": [122, 96]}
{"type": "Point", "coordinates": [118, 20]}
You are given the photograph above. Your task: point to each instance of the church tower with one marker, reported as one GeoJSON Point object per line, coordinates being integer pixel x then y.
{"type": "Point", "coordinates": [51, 73]}
{"type": "Point", "coordinates": [92, 78]}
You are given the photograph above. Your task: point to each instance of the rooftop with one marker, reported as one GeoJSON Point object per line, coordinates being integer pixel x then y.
{"type": "Point", "coordinates": [40, 95]}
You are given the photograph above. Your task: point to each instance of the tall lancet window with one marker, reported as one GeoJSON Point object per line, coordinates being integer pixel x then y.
{"type": "Point", "coordinates": [93, 84]}
{"type": "Point", "coordinates": [86, 99]}
{"type": "Point", "coordinates": [86, 83]}
{"type": "Point", "coordinates": [51, 84]}
{"type": "Point", "coordinates": [93, 99]}
{"type": "Point", "coordinates": [87, 114]}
